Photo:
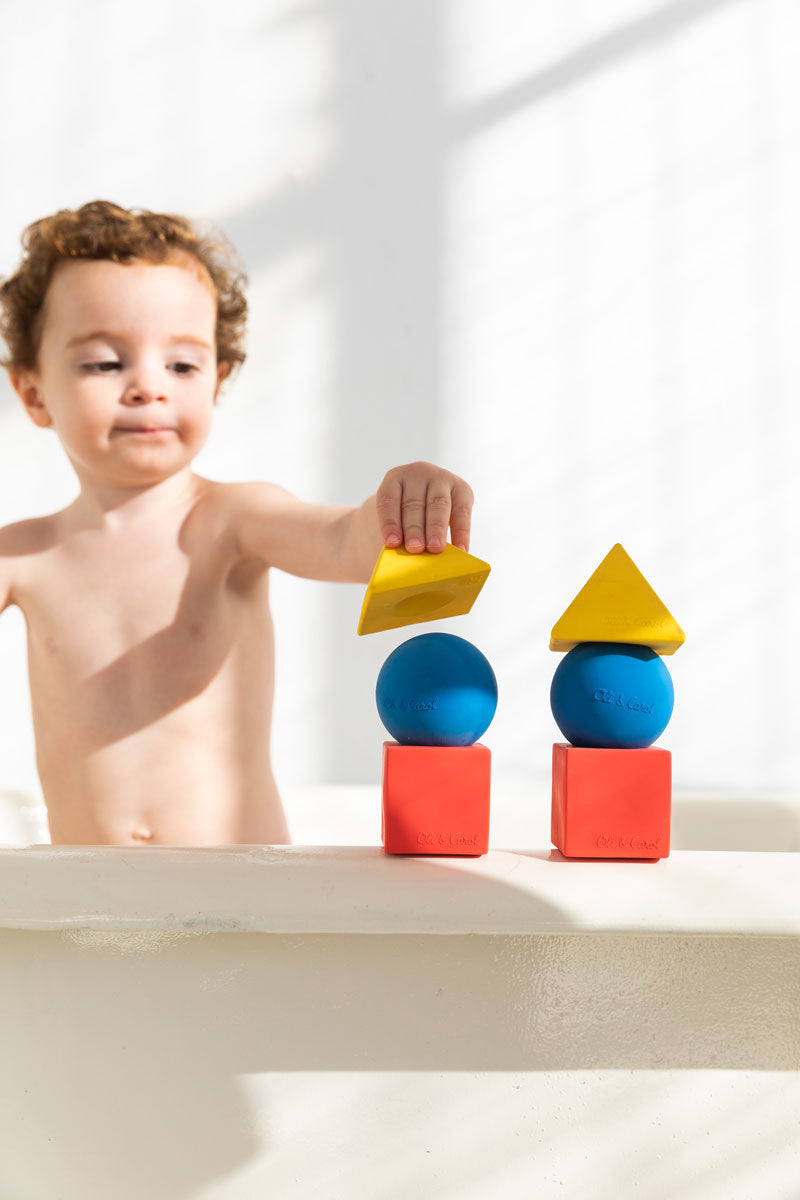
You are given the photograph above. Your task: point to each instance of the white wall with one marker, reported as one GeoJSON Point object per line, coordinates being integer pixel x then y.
{"type": "Point", "coordinates": [553, 247]}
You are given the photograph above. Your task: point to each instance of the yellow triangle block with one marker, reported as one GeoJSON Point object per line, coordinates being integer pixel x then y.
{"type": "Point", "coordinates": [407, 588]}
{"type": "Point", "coordinates": [617, 604]}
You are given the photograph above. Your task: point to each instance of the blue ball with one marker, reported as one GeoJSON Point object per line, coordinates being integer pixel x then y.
{"type": "Point", "coordinates": [436, 690]}
{"type": "Point", "coordinates": [612, 695]}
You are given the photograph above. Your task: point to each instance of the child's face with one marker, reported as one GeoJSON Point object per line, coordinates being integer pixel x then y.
{"type": "Point", "coordinates": [131, 404]}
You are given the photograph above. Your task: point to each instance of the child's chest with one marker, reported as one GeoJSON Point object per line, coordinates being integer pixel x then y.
{"type": "Point", "coordinates": [91, 605]}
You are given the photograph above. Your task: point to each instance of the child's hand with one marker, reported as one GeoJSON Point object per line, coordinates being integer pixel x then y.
{"type": "Point", "coordinates": [417, 502]}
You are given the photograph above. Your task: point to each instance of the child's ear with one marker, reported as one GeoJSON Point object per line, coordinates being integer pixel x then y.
{"type": "Point", "coordinates": [26, 386]}
{"type": "Point", "coordinates": [222, 371]}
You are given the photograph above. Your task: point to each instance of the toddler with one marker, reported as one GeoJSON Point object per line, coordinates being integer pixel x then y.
{"type": "Point", "coordinates": [146, 600]}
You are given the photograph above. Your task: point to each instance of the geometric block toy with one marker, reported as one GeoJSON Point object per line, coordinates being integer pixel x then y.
{"type": "Point", "coordinates": [436, 690]}
{"type": "Point", "coordinates": [407, 588]}
{"type": "Point", "coordinates": [617, 604]}
{"type": "Point", "coordinates": [611, 694]}
{"type": "Point", "coordinates": [611, 803]}
{"type": "Point", "coordinates": [436, 799]}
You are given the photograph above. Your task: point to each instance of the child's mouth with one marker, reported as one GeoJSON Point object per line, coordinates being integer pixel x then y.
{"type": "Point", "coordinates": [143, 430]}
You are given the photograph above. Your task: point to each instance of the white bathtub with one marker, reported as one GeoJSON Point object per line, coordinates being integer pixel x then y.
{"type": "Point", "coordinates": [326, 1021]}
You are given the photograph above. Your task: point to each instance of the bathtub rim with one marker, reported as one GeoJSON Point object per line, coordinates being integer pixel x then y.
{"type": "Point", "coordinates": [301, 889]}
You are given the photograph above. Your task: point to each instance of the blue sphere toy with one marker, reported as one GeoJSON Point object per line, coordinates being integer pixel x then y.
{"type": "Point", "coordinates": [436, 690]}
{"type": "Point", "coordinates": [611, 695]}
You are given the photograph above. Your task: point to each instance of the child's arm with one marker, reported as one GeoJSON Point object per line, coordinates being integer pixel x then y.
{"type": "Point", "coordinates": [415, 503]}
{"type": "Point", "coordinates": [6, 536]}
{"type": "Point", "coordinates": [19, 543]}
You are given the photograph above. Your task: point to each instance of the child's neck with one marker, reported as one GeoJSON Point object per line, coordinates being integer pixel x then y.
{"type": "Point", "coordinates": [117, 508]}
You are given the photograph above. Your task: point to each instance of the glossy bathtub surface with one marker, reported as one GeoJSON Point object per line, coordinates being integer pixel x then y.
{"type": "Point", "coordinates": [322, 1021]}
{"type": "Point", "coordinates": [359, 889]}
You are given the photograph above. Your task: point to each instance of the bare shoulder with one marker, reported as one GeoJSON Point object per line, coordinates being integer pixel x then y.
{"type": "Point", "coordinates": [238, 499]}
{"type": "Point", "coordinates": [20, 542]}
{"type": "Point", "coordinates": [224, 513]}
{"type": "Point", "coordinates": [227, 508]}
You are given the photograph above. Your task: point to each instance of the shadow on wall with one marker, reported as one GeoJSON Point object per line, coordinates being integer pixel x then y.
{"type": "Point", "coordinates": [380, 212]}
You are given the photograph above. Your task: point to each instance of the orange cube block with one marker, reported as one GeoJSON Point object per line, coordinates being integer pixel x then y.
{"type": "Point", "coordinates": [611, 803]}
{"type": "Point", "coordinates": [435, 799]}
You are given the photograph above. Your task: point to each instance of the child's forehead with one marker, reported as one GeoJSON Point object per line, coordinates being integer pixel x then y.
{"type": "Point", "coordinates": [87, 288]}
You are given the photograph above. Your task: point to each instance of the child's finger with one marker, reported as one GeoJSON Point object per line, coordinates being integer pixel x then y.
{"type": "Point", "coordinates": [415, 491]}
{"type": "Point", "coordinates": [387, 502]}
{"type": "Point", "coordinates": [461, 514]}
{"type": "Point", "coordinates": [437, 514]}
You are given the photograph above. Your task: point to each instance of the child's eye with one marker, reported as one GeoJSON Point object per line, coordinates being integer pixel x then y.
{"type": "Point", "coordinates": [101, 367]}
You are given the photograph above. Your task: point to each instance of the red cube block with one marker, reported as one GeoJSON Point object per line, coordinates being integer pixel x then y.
{"type": "Point", "coordinates": [611, 803]}
{"type": "Point", "coordinates": [435, 799]}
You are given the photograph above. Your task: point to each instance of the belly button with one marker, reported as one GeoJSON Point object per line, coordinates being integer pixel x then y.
{"type": "Point", "coordinates": [142, 835]}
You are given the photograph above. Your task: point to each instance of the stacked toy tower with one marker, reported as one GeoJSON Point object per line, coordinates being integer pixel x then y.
{"type": "Point", "coordinates": [612, 697]}
{"type": "Point", "coordinates": [436, 695]}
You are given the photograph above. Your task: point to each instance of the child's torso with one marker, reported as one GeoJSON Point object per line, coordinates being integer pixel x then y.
{"type": "Point", "coordinates": [151, 662]}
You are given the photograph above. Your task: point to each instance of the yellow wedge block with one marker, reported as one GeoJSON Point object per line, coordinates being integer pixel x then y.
{"type": "Point", "coordinates": [407, 588]}
{"type": "Point", "coordinates": [617, 604]}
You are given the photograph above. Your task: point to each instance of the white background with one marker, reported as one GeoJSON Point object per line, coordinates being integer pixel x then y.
{"type": "Point", "coordinates": [553, 247]}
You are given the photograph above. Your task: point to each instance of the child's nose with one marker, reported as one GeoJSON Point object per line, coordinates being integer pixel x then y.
{"type": "Point", "coordinates": [138, 394]}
